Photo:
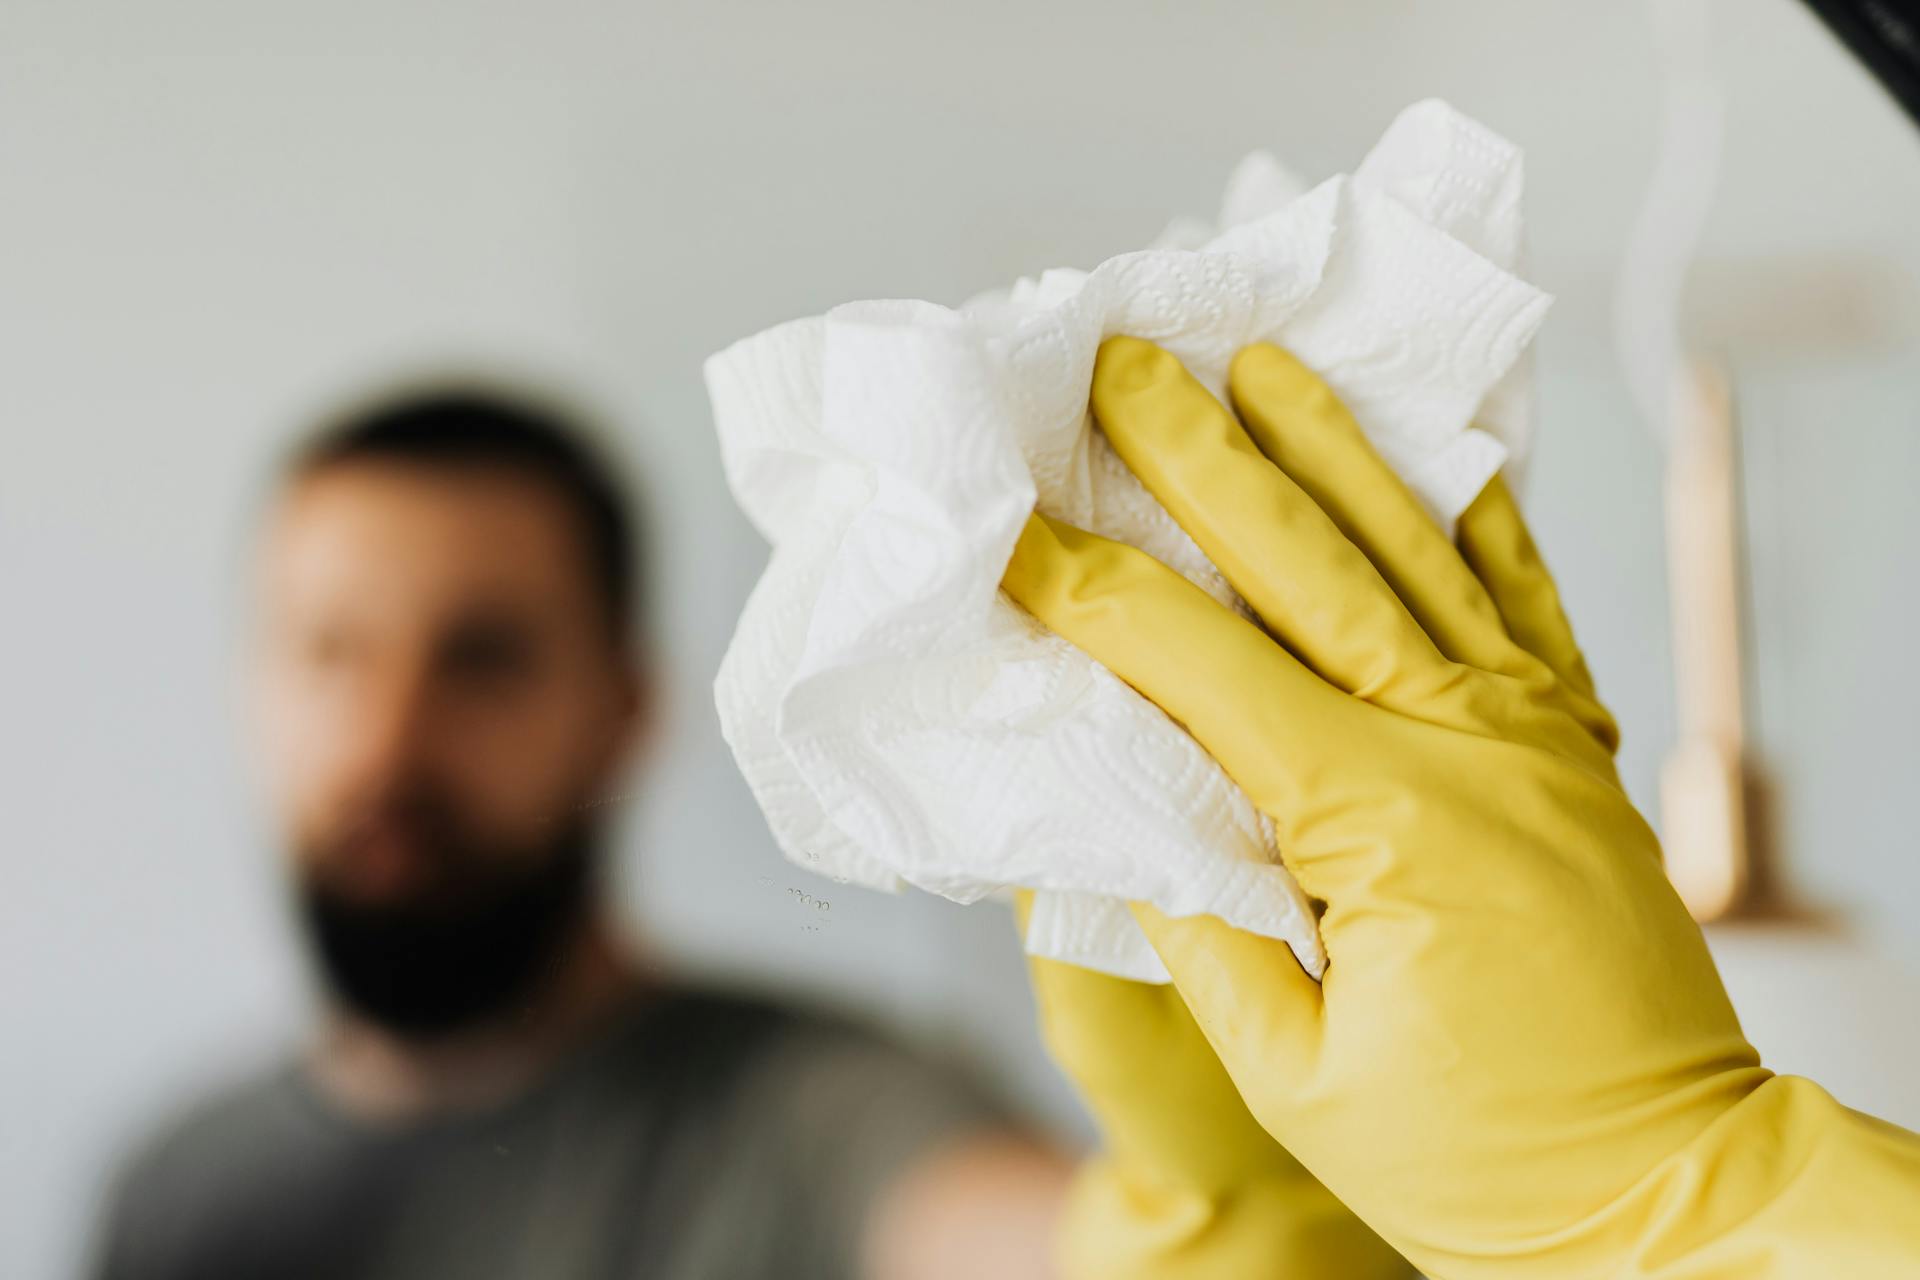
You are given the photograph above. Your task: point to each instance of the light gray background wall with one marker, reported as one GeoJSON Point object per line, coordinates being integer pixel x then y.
{"type": "Point", "coordinates": [215, 216]}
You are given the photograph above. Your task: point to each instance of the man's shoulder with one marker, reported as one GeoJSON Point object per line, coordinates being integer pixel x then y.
{"type": "Point", "coordinates": [812, 1059]}
{"type": "Point", "coordinates": [825, 1115]}
{"type": "Point", "coordinates": [716, 1031]}
{"type": "Point", "coordinates": [219, 1132]}
{"type": "Point", "coordinates": [206, 1158]}
{"type": "Point", "coordinates": [709, 1051]}
{"type": "Point", "coordinates": [749, 1025]}
{"type": "Point", "coordinates": [752, 1010]}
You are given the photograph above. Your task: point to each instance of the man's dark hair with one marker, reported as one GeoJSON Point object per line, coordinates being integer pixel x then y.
{"type": "Point", "coordinates": [471, 426]}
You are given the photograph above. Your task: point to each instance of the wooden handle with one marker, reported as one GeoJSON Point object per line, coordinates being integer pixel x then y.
{"type": "Point", "coordinates": [1704, 785]}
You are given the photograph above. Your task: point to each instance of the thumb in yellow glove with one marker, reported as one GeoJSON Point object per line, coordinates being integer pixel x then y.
{"type": "Point", "coordinates": [1521, 1062]}
{"type": "Point", "coordinates": [1187, 1185]}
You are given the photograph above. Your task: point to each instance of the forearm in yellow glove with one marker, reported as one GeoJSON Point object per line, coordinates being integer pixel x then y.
{"type": "Point", "coordinates": [1521, 1062]}
{"type": "Point", "coordinates": [1187, 1185]}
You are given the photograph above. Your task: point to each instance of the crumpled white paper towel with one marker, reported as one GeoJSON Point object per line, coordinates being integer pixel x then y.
{"type": "Point", "coordinates": [899, 719]}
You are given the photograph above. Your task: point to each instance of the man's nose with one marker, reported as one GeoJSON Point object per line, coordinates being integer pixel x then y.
{"type": "Point", "coordinates": [391, 733]}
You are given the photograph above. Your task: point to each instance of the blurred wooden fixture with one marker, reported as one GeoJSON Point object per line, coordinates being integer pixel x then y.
{"type": "Point", "coordinates": [1704, 784]}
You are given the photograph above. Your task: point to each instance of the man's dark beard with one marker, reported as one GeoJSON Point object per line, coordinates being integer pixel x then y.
{"type": "Point", "coordinates": [465, 954]}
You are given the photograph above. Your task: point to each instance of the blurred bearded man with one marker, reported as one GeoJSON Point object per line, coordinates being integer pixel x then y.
{"type": "Point", "coordinates": [448, 679]}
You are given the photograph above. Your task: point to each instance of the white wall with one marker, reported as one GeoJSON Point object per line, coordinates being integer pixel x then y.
{"type": "Point", "coordinates": [215, 215]}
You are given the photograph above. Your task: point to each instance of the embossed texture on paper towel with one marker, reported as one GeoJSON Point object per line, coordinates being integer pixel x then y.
{"type": "Point", "coordinates": [899, 720]}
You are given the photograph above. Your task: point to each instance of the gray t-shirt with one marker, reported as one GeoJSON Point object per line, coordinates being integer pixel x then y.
{"type": "Point", "coordinates": [697, 1135]}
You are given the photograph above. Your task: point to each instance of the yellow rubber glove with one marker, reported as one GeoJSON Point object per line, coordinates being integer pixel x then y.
{"type": "Point", "coordinates": [1521, 1062]}
{"type": "Point", "coordinates": [1191, 1191]}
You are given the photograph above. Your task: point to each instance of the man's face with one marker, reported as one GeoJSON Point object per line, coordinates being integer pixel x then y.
{"type": "Point", "coordinates": [438, 696]}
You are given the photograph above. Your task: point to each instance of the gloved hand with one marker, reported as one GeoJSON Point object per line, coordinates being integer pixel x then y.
{"type": "Point", "coordinates": [1521, 1062]}
{"type": "Point", "coordinates": [1196, 1190]}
